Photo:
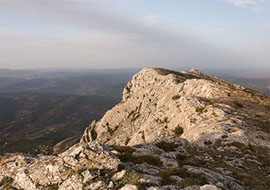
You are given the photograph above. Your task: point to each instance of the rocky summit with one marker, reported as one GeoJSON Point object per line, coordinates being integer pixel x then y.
{"type": "Point", "coordinates": [172, 130]}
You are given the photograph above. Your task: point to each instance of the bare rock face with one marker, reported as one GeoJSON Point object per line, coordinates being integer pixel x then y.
{"type": "Point", "coordinates": [171, 131]}
{"type": "Point", "coordinates": [63, 171]}
{"type": "Point", "coordinates": [194, 105]}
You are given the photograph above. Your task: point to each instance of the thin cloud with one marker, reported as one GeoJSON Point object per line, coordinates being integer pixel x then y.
{"type": "Point", "coordinates": [243, 3]}
{"type": "Point", "coordinates": [103, 37]}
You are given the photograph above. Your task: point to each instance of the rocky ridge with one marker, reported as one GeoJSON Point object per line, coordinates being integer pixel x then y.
{"type": "Point", "coordinates": [187, 130]}
{"type": "Point", "coordinates": [157, 101]}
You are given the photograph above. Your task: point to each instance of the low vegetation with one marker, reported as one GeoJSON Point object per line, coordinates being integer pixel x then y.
{"type": "Point", "coordinates": [166, 146]}
{"type": "Point", "coordinates": [6, 183]}
{"type": "Point", "coordinates": [199, 109]}
{"type": "Point", "coordinates": [188, 177]}
{"type": "Point", "coordinates": [53, 187]}
{"type": "Point", "coordinates": [139, 159]}
{"type": "Point", "coordinates": [178, 131]}
{"type": "Point", "coordinates": [31, 115]}
{"type": "Point", "coordinates": [123, 149]}
{"type": "Point", "coordinates": [251, 173]}
{"type": "Point", "coordinates": [176, 97]}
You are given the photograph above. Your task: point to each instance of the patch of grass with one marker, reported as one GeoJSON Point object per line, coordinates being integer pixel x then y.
{"type": "Point", "coordinates": [6, 183]}
{"type": "Point", "coordinates": [176, 97]}
{"type": "Point", "coordinates": [191, 181]}
{"type": "Point", "coordinates": [255, 183]}
{"type": "Point", "coordinates": [192, 178]}
{"type": "Point", "coordinates": [239, 145]}
{"type": "Point", "coordinates": [189, 178]}
{"type": "Point", "coordinates": [263, 154]}
{"type": "Point", "coordinates": [123, 149]}
{"type": "Point", "coordinates": [253, 174]}
{"type": "Point", "coordinates": [139, 159]}
{"type": "Point", "coordinates": [261, 125]}
{"type": "Point", "coordinates": [178, 131]}
{"type": "Point", "coordinates": [53, 187]}
{"type": "Point", "coordinates": [199, 109]}
{"type": "Point", "coordinates": [131, 177]}
{"type": "Point", "coordinates": [167, 147]}
{"type": "Point", "coordinates": [166, 177]}
{"type": "Point", "coordinates": [190, 160]}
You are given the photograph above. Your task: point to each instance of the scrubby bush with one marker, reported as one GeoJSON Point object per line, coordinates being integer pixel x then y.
{"type": "Point", "coordinates": [199, 109]}
{"type": "Point", "coordinates": [123, 149]}
{"type": "Point", "coordinates": [178, 131]}
{"type": "Point", "coordinates": [139, 159]}
{"type": "Point", "coordinates": [176, 97]}
{"type": "Point", "coordinates": [166, 146]}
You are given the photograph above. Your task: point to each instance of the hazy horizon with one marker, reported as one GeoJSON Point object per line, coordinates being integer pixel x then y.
{"type": "Point", "coordinates": [221, 35]}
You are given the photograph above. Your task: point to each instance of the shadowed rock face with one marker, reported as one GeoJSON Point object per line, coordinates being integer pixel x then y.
{"type": "Point", "coordinates": [158, 101]}
{"type": "Point", "coordinates": [187, 130]}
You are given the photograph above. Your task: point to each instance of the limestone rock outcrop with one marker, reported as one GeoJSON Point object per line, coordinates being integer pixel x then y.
{"type": "Point", "coordinates": [158, 102]}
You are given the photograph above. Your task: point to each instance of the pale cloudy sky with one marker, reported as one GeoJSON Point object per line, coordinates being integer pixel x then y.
{"type": "Point", "coordinates": [218, 34]}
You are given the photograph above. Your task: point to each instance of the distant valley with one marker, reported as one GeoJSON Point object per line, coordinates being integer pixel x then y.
{"type": "Point", "coordinates": [38, 109]}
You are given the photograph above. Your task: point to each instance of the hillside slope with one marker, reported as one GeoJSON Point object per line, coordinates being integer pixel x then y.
{"type": "Point", "coordinates": [32, 122]}
{"type": "Point", "coordinates": [171, 131]}
{"type": "Point", "coordinates": [157, 102]}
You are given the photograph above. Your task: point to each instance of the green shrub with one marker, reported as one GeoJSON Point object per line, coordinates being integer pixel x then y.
{"type": "Point", "coordinates": [167, 147]}
{"type": "Point", "coordinates": [166, 176]}
{"type": "Point", "coordinates": [123, 149]}
{"type": "Point", "coordinates": [53, 187]}
{"type": "Point", "coordinates": [131, 177]}
{"type": "Point", "coordinates": [191, 181]}
{"type": "Point", "coordinates": [214, 114]}
{"type": "Point", "coordinates": [178, 131]}
{"type": "Point", "coordinates": [189, 178]}
{"type": "Point", "coordinates": [176, 97]}
{"type": "Point", "coordinates": [139, 159]}
{"type": "Point", "coordinates": [199, 109]}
